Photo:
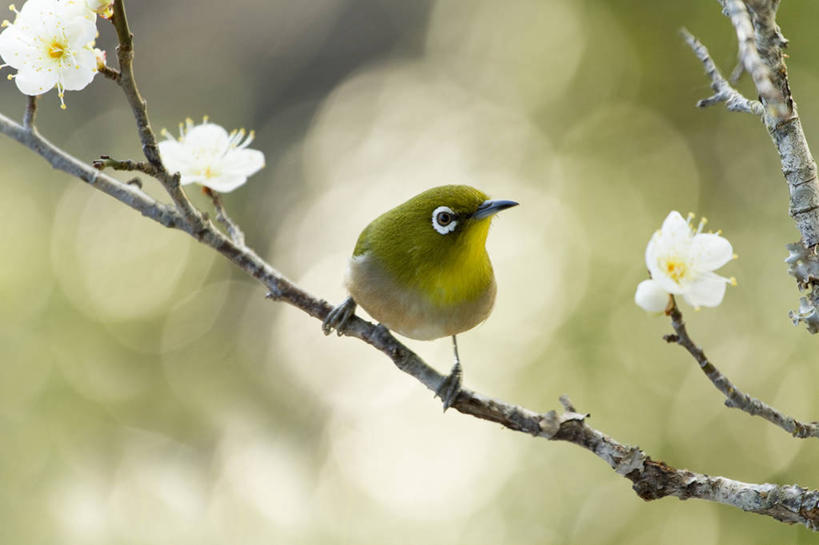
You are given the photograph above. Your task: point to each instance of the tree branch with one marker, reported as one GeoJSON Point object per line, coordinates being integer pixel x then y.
{"type": "Point", "coordinates": [139, 108]}
{"type": "Point", "coordinates": [60, 160]}
{"type": "Point", "coordinates": [106, 161]}
{"type": "Point", "coordinates": [31, 113]}
{"type": "Point", "coordinates": [651, 479]}
{"type": "Point", "coordinates": [723, 91]}
{"type": "Point", "coordinates": [234, 231]}
{"type": "Point", "coordinates": [735, 398]}
{"type": "Point", "coordinates": [751, 60]}
{"type": "Point", "coordinates": [761, 53]}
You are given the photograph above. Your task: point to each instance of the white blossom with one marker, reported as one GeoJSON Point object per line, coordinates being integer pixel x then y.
{"type": "Point", "coordinates": [207, 155]}
{"type": "Point", "coordinates": [681, 261]}
{"type": "Point", "coordinates": [51, 44]}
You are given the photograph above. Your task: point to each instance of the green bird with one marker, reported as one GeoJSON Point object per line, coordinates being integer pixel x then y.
{"type": "Point", "coordinates": [421, 270]}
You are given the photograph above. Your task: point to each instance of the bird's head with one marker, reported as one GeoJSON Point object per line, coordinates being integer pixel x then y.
{"type": "Point", "coordinates": [443, 225]}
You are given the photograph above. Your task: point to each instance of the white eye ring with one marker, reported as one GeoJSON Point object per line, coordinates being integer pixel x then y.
{"type": "Point", "coordinates": [443, 220]}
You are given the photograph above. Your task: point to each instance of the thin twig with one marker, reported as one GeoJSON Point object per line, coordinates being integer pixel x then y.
{"type": "Point", "coordinates": [734, 397]}
{"type": "Point", "coordinates": [110, 73]}
{"type": "Point", "coordinates": [234, 231]}
{"type": "Point", "coordinates": [31, 113]}
{"type": "Point", "coordinates": [651, 479]}
{"type": "Point", "coordinates": [128, 165]}
{"type": "Point", "coordinates": [139, 108]}
{"type": "Point", "coordinates": [723, 91]}
{"type": "Point", "coordinates": [737, 72]}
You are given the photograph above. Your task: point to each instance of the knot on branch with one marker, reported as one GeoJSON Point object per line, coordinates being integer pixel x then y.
{"type": "Point", "coordinates": [551, 423]}
{"type": "Point", "coordinates": [634, 460]}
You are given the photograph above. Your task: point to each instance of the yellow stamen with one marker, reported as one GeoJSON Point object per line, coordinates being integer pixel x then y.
{"type": "Point", "coordinates": [732, 281]}
{"type": "Point", "coordinates": [676, 269]}
{"type": "Point", "coordinates": [56, 50]}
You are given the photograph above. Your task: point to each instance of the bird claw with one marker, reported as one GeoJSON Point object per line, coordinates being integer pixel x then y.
{"type": "Point", "coordinates": [338, 317]}
{"type": "Point", "coordinates": [451, 386]}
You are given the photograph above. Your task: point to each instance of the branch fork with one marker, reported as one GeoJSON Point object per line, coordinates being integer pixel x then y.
{"type": "Point", "coordinates": [761, 54]}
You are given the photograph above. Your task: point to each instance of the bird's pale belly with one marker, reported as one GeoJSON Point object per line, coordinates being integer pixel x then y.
{"type": "Point", "coordinates": [408, 311]}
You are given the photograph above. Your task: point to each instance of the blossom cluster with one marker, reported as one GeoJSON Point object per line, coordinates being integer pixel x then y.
{"type": "Point", "coordinates": [51, 44]}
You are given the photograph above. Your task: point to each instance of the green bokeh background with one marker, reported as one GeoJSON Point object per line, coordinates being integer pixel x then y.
{"type": "Point", "coordinates": [150, 394]}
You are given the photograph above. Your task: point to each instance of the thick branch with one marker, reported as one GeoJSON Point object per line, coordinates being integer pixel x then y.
{"type": "Point", "coordinates": [751, 60]}
{"type": "Point", "coordinates": [734, 397]}
{"type": "Point", "coordinates": [761, 53]}
{"type": "Point", "coordinates": [651, 479]}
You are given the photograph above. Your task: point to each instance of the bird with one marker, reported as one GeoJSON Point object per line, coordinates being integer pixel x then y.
{"type": "Point", "coordinates": [421, 270]}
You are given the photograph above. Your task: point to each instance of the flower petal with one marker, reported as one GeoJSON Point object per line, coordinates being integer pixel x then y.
{"type": "Point", "coordinates": [673, 238]}
{"type": "Point", "coordinates": [80, 30]}
{"type": "Point", "coordinates": [711, 251]}
{"type": "Point", "coordinates": [675, 229]}
{"type": "Point", "coordinates": [667, 283]}
{"type": "Point", "coordinates": [33, 82]}
{"type": "Point", "coordinates": [78, 76]}
{"type": "Point", "coordinates": [651, 296]}
{"type": "Point", "coordinates": [707, 291]}
{"type": "Point", "coordinates": [224, 184]}
{"type": "Point", "coordinates": [13, 47]}
{"type": "Point", "coordinates": [206, 135]}
{"type": "Point", "coordinates": [174, 155]}
{"type": "Point", "coordinates": [243, 162]}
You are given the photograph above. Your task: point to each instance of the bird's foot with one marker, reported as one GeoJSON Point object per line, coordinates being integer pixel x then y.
{"type": "Point", "coordinates": [451, 386]}
{"type": "Point", "coordinates": [339, 317]}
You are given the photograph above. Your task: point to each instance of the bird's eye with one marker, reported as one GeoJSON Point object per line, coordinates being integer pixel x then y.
{"type": "Point", "coordinates": [444, 220]}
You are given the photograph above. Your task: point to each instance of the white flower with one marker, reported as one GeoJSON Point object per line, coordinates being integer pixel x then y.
{"type": "Point", "coordinates": [51, 44]}
{"type": "Point", "coordinates": [206, 154]}
{"type": "Point", "coordinates": [681, 261]}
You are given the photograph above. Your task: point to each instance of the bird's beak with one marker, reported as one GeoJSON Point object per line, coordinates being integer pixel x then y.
{"type": "Point", "coordinates": [488, 208]}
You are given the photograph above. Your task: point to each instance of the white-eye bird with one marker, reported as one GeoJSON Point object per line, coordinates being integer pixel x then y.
{"type": "Point", "coordinates": [421, 270]}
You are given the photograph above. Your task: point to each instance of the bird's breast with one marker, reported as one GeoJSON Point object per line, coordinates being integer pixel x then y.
{"type": "Point", "coordinates": [451, 300]}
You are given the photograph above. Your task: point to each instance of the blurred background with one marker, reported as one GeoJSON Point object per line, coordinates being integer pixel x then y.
{"type": "Point", "coordinates": [150, 394]}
